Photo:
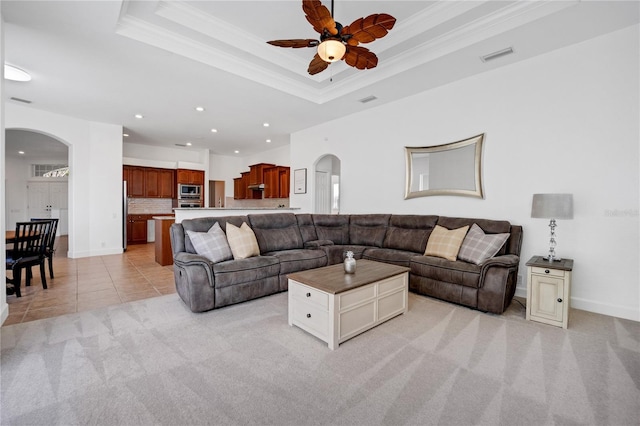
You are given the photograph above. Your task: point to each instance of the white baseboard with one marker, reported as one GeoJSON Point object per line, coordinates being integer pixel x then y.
{"type": "Point", "coordinates": [4, 313]}
{"type": "Point", "coordinates": [103, 252]}
{"type": "Point", "coordinates": [618, 311]}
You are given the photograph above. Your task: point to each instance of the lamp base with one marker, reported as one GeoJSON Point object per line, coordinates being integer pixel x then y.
{"type": "Point", "coordinates": [552, 259]}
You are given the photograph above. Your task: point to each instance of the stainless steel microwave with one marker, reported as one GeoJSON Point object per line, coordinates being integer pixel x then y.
{"type": "Point", "coordinates": [186, 191]}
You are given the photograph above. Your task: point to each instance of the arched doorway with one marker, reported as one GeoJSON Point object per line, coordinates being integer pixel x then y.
{"type": "Point", "coordinates": [31, 191]}
{"type": "Point", "coordinates": [327, 185]}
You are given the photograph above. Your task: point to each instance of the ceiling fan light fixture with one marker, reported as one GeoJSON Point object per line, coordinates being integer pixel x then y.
{"type": "Point", "coordinates": [331, 50]}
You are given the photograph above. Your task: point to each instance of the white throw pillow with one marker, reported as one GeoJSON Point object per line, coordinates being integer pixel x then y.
{"type": "Point", "coordinates": [242, 241]}
{"type": "Point", "coordinates": [212, 244]}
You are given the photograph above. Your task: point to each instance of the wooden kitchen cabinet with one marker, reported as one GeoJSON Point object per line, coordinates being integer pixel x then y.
{"type": "Point", "coordinates": [137, 228]}
{"type": "Point", "coordinates": [256, 173]}
{"type": "Point", "coordinates": [166, 183]}
{"type": "Point", "coordinates": [149, 182]}
{"type": "Point", "coordinates": [190, 177]}
{"type": "Point", "coordinates": [284, 175]}
{"type": "Point", "coordinates": [135, 182]}
{"type": "Point", "coordinates": [239, 189]}
{"type": "Point", "coordinates": [276, 182]}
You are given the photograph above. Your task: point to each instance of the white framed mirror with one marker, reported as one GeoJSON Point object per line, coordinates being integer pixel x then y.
{"type": "Point", "coordinates": [449, 169]}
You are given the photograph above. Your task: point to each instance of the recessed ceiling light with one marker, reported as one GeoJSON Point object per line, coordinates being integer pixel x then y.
{"type": "Point", "coordinates": [126, 135]}
{"type": "Point", "coordinates": [15, 74]}
{"type": "Point", "coordinates": [214, 130]}
{"type": "Point", "coordinates": [139, 116]}
{"type": "Point", "coordinates": [265, 124]}
{"type": "Point", "coordinates": [21, 152]}
{"type": "Point", "coordinates": [268, 140]}
{"type": "Point", "coordinates": [199, 109]}
{"type": "Point", "coordinates": [236, 151]}
{"type": "Point", "coordinates": [188, 144]}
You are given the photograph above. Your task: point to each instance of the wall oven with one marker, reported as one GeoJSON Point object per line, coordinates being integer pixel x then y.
{"type": "Point", "coordinates": [190, 204]}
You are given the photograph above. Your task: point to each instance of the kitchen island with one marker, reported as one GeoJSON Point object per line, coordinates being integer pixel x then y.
{"type": "Point", "coordinates": [192, 213]}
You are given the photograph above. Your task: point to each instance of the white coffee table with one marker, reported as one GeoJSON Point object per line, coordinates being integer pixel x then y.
{"type": "Point", "coordinates": [335, 306]}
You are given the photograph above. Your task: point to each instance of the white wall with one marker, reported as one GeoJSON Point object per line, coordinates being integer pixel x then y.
{"type": "Point", "coordinates": [95, 189]}
{"type": "Point", "coordinates": [567, 121]}
{"type": "Point", "coordinates": [4, 308]}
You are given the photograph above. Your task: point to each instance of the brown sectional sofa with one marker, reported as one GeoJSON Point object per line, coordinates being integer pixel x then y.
{"type": "Point", "coordinates": [289, 243]}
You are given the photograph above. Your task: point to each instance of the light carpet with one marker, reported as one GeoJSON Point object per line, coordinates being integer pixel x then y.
{"type": "Point", "coordinates": [154, 362]}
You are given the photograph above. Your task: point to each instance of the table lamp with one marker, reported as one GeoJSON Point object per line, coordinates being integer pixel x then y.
{"type": "Point", "coordinates": [552, 206]}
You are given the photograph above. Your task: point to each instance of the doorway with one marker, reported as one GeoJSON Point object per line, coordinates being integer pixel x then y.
{"type": "Point", "coordinates": [216, 193]}
{"type": "Point", "coordinates": [29, 155]}
{"type": "Point", "coordinates": [327, 185]}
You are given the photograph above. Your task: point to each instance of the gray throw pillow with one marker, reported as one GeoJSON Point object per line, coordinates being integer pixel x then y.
{"type": "Point", "coordinates": [478, 246]}
{"type": "Point", "coordinates": [212, 244]}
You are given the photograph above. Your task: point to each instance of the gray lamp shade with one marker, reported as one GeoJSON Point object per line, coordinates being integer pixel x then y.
{"type": "Point", "coordinates": [552, 206]}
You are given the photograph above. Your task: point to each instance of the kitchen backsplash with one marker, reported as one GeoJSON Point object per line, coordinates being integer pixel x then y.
{"type": "Point", "coordinates": [150, 205]}
{"type": "Point", "coordinates": [272, 203]}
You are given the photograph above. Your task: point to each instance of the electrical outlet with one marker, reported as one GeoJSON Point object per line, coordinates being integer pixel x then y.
{"type": "Point", "coordinates": [519, 280]}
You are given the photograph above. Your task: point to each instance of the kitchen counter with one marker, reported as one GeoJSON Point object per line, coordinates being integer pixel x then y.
{"type": "Point", "coordinates": [192, 213]}
{"type": "Point", "coordinates": [164, 255]}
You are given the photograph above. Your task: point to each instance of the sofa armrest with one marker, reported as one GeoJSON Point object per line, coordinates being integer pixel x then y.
{"type": "Point", "coordinates": [195, 281]}
{"type": "Point", "coordinates": [507, 260]}
{"type": "Point", "coordinates": [497, 285]}
{"type": "Point", "coordinates": [317, 244]}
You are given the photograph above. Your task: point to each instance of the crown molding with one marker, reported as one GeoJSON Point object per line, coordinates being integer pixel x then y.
{"type": "Point", "coordinates": [287, 73]}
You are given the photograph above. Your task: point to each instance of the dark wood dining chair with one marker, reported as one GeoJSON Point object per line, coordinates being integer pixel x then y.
{"type": "Point", "coordinates": [50, 250]}
{"type": "Point", "coordinates": [28, 250]}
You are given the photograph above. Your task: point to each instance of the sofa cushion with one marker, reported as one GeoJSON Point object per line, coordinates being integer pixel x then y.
{"type": "Point", "coordinates": [332, 227]}
{"type": "Point", "coordinates": [299, 259]}
{"type": "Point", "coordinates": [306, 226]}
{"type": "Point", "coordinates": [447, 271]}
{"type": "Point", "coordinates": [478, 246]}
{"type": "Point", "coordinates": [445, 242]}
{"type": "Point", "coordinates": [337, 253]}
{"type": "Point", "coordinates": [277, 231]}
{"type": "Point", "coordinates": [409, 232]}
{"type": "Point", "coordinates": [242, 241]}
{"type": "Point", "coordinates": [386, 255]}
{"type": "Point", "coordinates": [234, 272]}
{"type": "Point", "coordinates": [368, 229]}
{"type": "Point", "coordinates": [212, 244]}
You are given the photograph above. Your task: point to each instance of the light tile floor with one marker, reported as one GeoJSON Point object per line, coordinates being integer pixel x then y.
{"type": "Point", "coordinates": [92, 282]}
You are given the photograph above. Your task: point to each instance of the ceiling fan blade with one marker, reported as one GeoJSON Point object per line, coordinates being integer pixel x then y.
{"type": "Point", "coordinates": [366, 30]}
{"type": "Point", "coordinates": [317, 65]}
{"type": "Point", "coordinates": [295, 43]}
{"type": "Point", "coordinates": [319, 17]}
{"type": "Point", "coordinates": [360, 57]}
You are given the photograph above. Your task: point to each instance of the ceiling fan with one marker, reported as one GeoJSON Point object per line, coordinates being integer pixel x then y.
{"type": "Point", "coordinates": [338, 42]}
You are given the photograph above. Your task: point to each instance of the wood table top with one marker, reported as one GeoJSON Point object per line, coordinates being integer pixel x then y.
{"type": "Point", "coordinates": [332, 279]}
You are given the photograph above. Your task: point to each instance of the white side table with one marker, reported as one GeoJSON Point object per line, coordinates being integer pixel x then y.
{"type": "Point", "coordinates": [548, 289]}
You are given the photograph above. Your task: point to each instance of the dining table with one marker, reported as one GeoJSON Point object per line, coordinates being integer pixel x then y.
{"type": "Point", "coordinates": [10, 237]}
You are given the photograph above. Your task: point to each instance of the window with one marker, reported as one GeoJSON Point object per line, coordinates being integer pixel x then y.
{"type": "Point", "coordinates": [49, 170]}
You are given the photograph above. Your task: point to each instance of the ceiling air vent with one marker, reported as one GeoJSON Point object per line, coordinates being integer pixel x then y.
{"type": "Point", "coordinates": [368, 99]}
{"type": "Point", "coordinates": [496, 55]}
{"type": "Point", "coordinates": [20, 100]}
